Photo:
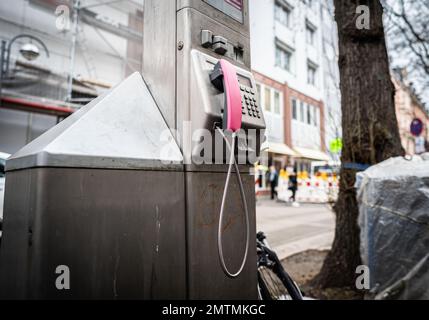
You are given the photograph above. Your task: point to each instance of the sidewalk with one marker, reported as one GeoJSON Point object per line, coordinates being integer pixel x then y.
{"type": "Point", "coordinates": [292, 230]}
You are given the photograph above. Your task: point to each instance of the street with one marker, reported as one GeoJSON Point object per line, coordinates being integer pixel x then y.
{"type": "Point", "coordinates": [291, 230]}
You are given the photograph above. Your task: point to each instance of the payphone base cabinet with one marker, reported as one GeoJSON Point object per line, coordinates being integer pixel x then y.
{"type": "Point", "coordinates": [118, 235]}
{"type": "Point", "coordinates": [206, 278]}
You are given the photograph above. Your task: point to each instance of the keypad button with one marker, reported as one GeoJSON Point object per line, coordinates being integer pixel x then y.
{"type": "Point", "coordinates": [252, 91]}
{"type": "Point", "coordinates": [247, 90]}
{"type": "Point", "coordinates": [242, 88]}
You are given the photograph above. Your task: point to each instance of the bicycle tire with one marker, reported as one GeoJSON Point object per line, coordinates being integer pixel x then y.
{"type": "Point", "coordinates": [275, 283]}
{"type": "Point", "coordinates": [264, 292]}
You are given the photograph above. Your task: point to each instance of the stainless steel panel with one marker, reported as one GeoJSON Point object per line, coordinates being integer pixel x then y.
{"type": "Point", "coordinates": [228, 8]}
{"type": "Point", "coordinates": [121, 233]}
{"type": "Point", "coordinates": [15, 252]}
{"type": "Point", "coordinates": [206, 278]}
{"type": "Point", "coordinates": [159, 55]}
{"type": "Point", "coordinates": [210, 11]}
{"type": "Point", "coordinates": [190, 22]}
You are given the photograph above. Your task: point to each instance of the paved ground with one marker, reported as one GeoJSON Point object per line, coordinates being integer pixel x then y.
{"type": "Point", "coordinates": [291, 230]}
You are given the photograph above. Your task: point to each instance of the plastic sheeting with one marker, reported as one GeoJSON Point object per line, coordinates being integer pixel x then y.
{"type": "Point", "coordinates": [394, 219]}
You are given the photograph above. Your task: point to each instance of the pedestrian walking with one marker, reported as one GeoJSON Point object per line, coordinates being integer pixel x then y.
{"type": "Point", "coordinates": [293, 186]}
{"type": "Point", "coordinates": [274, 181]}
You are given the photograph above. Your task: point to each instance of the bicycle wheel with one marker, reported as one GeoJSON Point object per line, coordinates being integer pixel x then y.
{"type": "Point", "coordinates": [270, 286]}
{"type": "Point", "coordinates": [276, 284]}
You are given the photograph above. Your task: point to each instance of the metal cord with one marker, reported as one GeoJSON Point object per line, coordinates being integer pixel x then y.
{"type": "Point", "coordinates": [222, 210]}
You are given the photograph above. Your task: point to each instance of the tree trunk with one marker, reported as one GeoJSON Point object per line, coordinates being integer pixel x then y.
{"type": "Point", "coordinates": [370, 129]}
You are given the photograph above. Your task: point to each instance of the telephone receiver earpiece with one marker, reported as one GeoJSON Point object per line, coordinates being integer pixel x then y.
{"type": "Point", "coordinates": [224, 78]}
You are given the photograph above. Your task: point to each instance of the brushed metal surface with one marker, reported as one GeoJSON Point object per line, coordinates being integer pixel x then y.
{"type": "Point", "coordinates": [206, 278]}
{"type": "Point", "coordinates": [207, 9]}
{"type": "Point", "coordinates": [121, 233]}
{"type": "Point", "coordinates": [159, 55]}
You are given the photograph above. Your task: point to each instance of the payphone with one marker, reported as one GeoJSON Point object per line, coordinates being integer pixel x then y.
{"type": "Point", "coordinates": [99, 195]}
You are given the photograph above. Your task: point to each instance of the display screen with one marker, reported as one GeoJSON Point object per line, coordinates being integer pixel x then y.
{"type": "Point", "coordinates": [232, 8]}
{"type": "Point", "coordinates": [244, 81]}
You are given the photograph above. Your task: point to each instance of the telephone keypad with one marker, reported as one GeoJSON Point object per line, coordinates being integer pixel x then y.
{"type": "Point", "coordinates": [249, 101]}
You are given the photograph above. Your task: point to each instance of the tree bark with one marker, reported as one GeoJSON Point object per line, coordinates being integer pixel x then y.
{"type": "Point", "coordinates": [370, 129]}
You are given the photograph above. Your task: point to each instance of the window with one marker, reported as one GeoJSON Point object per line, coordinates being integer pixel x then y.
{"type": "Point", "coordinates": [317, 117]}
{"type": "Point", "coordinates": [283, 58]}
{"type": "Point", "coordinates": [310, 31]}
{"type": "Point", "coordinates": [311, 73]}
{"type": "Point", "coordinates": [258, 92]}
{"type": "Point", "coordinates": [282, 14]}
{"type": "Point", "coordinates": [294, 110]}
{"type": "Point", "coordinates": [314, 116]}
{"type": "Point", "coordinates": [309, 120]}
{"type": "Point", "coordinates": [302, 112]}
{"type": "Point", "coordinates": [267, 99]}
{"type": "Point", "coordinates": [276, 102]}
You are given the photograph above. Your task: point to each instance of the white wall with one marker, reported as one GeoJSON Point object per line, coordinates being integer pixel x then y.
{"type": "Point", "coordinates": [264, 29]}
{"type": "Point", "coordinates": [331, 76]}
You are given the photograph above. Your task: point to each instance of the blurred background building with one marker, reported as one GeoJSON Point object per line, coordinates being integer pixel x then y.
{"type": "Point", "coordinates": [91, 45]}
{"type": "Point", "coordinates": [410, 108]}
{"type": "Point", "coordinates": [295, 61]}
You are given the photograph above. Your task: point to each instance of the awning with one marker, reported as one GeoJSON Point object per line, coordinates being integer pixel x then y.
{"type": "Point", "coordinates": [279, 148]}
{"type": "Point", "coordinates": [311, 154]}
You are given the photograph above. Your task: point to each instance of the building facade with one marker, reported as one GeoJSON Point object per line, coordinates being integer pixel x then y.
{"type": "Point", "coordinates": [294, 59]}
{"type": "Point", "coordinates": [101, 49]}
{"type": "Point", "coordinates": [409, 108]}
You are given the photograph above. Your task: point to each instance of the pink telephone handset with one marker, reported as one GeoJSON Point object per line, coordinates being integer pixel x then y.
{"type": "Point", "coordinates": [224, 78]}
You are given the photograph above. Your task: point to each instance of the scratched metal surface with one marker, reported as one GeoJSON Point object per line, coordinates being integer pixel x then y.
{"type": "Point", "coordinates": [206, 278]}
{"type": "Point", "coordinates": [120, 236]}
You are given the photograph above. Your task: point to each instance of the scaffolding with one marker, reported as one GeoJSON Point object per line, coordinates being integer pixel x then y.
{"type": "Point", "coordinates": [96, 36]}
{"type": "Point", "coordinates": [93, 45]}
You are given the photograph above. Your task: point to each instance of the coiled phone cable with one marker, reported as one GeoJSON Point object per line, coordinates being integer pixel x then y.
{"type": "Point", "coordinates": [232, 163]}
